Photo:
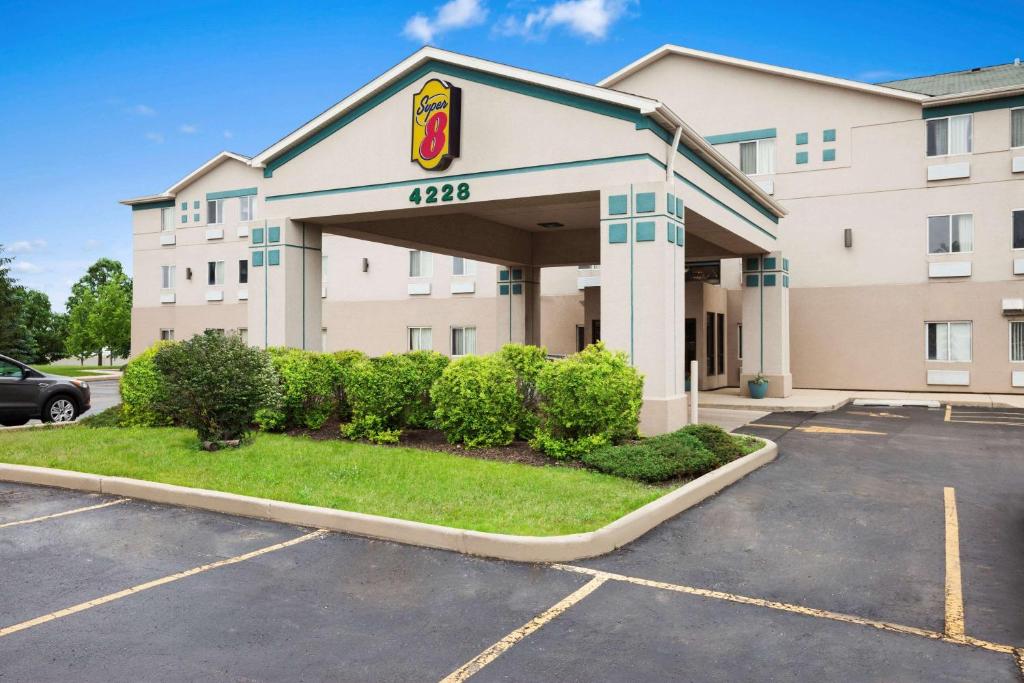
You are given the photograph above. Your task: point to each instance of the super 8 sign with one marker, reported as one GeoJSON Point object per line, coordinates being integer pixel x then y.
{"type": "Point", "coordinates": [436, 123]}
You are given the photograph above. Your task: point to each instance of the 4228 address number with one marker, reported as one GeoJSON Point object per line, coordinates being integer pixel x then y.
{"type": "Point", "coordinates": [432, 194]}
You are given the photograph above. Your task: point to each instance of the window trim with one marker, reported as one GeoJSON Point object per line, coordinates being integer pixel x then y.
{"type": "Point", "coordinates": [222, 274]}
{"type": "Point", "coordinates": [167, 211]}
{"type": "Point", "coordinates": [170, 337]}
{"type": "Point", "coordinates": [1009, 330]}
{"type": "Point", "coordinates": [1013, 211]}
{"type": "Point", "coordinates": [947, 323]}
{"type": "Point", "coordinates": [948, 145]}
{"type": "Point", "coordinates": [927, 233]}
{"type": "Point", "coordinates": [243, 262]}
{"type": "Point", "coordinates": [470, 273]}
{"type": "Point", "coordinates": [451, 339]}
{"type": "Point", "coordinates": [421, 253]}
{"type": "Point", "coordinates": [408, 336]}
{"type": "Point", "coordinates": [249, 199]}
{"type": "Point", "coordinates": [1013, 109]}
{"type": "Point", "coordinates": [172, 269]}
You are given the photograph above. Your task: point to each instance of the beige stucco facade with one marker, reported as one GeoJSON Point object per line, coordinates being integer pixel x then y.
{"type": "Point", "coordinates": [342, 249]}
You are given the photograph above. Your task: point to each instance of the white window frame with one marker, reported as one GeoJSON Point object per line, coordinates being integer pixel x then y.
{"type": "Point", "coordinates": [419, 329]}
{"type": "Point", "coordinates": [970, 140]}
{"type": "Point", "coordinates": [462, 328]}
{"type": "Point", "coordinates": [167, 219]}
{"type": "Point", "coordinates": [166, 334]}
{"type": "Point", "coordinates": [168, 274]}
{"type": "Point", "coordinates": [928, 236]}
{"type": "Point", "coordinates": [247, 201]}
{"type": "Point", "coordinates": [1021, 145]}
{"type": "Point", "coordinates": [1010, 330]}
{"type": "Point", "coordinates": [425, 263]}
{"type": "Point", "coordinates": [1013, 211]}
{"type": "Point", "coordinates": [757, 155]}
{"type": "Point", "coordinates": [243, 334]}
{"type": "Point", "coordinates": [218, 274]}
{"type": "Point", "coordinates": [218, 212]}
{"type": "Point", "coordinates": [468, 266]}
{"type": "Point", "coordinates": [947, 323]}
{"type": "Point", "coordinates": [242, 262]}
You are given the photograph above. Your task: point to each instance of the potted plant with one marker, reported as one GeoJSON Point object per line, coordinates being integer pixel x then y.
{"type": "Point", "coordinates": [758, 386]}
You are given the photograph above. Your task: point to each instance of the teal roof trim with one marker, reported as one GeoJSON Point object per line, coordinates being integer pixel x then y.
{"type": "Point", "coordinates": [153, 205]}
{"type": "Point", "coordinates": [743, 136]}
{"type": "Point", "coordinates": [971, 107]}
{"type": "Point", "coordinates": [227, 194]}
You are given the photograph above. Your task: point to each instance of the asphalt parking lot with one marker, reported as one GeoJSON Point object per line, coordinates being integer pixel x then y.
{"type": "Point", "coordinates": [105, 394]}
{"type": "Point", "coordinates": [832, 563]}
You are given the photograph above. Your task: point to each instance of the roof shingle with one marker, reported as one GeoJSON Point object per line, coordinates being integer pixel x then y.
{"type": "Point", "coordinates": [970, 80]}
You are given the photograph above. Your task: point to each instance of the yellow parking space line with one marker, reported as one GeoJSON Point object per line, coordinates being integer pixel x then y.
{"type": "Point", "coordinates": [65, 513]}
{"type": "Point", "coordinates": [758, 424]}
{"type": "Point", "coordinates": [494, 651]}
{"type": "Point", "coordinates": [949, 411]}
{"type": "Point", "coordinates": [788, 607]}
{"type": "Point", "coordinates": [954, 584]}
{"type": "Point", "coordinates": [96, 602]}
{"type": "Point", "coordinates": [825, 429]}
{"type": "Point", "coordinates": [1018, 654]}
{"type": "Point", "coordinates": [989, 422]}
{"type": "Point", "coordinates": [992, 413]}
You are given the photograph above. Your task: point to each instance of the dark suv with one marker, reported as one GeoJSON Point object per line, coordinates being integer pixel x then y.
{"type": "Point", "coordinates": [26, 394]}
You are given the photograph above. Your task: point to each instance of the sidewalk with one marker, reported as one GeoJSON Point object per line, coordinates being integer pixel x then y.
{"type": "Point", "coordinates": [824, 400]}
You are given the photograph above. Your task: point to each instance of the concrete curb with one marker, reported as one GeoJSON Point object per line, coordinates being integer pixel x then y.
{"type": "Point", "coordinates": [98, 378]}
{"type": "Point", "coordinates": [501, 546]}
{"type": "Point", "coordinates": [766, 405]}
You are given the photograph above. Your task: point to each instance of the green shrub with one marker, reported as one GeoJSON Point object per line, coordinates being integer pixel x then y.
{"type": "Point", "coordinates": [717, 440]}
{"type": "Point", "coordinates": [654, 459]}
{"type": "Point", "coordinates": [216, 383]}
{"type": "Point", "coordinates": [527, 362]}
{"type": "Point", "coordinates": [587, 400]}
{"type": "Point", "coordinates": [140, 386]}
{"type": "Point", "coordinates": [346, 360]}
{"type": "Point", "coordinates": [111, 417]}
{"type": "Point", "coordinates": [309, 386]}
{"type": "Point", "coordinates": [477, 402]}
{"type": "Point", "coordinates": [422, 369]}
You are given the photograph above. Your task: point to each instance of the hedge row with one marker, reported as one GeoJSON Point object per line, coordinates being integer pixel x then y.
{"type": "Point", "coordinates": [564, 407]}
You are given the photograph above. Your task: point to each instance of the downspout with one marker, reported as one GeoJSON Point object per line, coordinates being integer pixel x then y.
{"type": "Point", "coordinates": [670, 167]}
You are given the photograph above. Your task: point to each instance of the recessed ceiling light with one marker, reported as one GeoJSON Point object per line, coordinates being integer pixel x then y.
{"type": "Point", "coordinates": [551, 224]}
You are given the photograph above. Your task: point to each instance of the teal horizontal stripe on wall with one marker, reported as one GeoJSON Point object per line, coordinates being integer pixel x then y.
{"type": "Point", "coordinates": [153, 205]}
{"type": "Point", "coordinates": [227, 194]}
{"type": "Point", "coordinates": [742, 136]}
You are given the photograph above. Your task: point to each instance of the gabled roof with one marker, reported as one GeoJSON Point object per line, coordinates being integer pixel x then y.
{"type": "Point", "coordinates": [369, 95]}
{"type": "Point", "coordinates": [173, 190]}
{"type": "Point", "coordinates": [968, 80]}
{"type": "Point", "coordinates": [666, 50]}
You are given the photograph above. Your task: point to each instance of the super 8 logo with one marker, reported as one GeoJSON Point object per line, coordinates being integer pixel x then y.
{"type": "Point", "coordinates": [436, 124]}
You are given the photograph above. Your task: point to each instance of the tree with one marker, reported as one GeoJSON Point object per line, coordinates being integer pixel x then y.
{"type": "Point", "coordinates": [102, 320]}
{"type": "Point", "coordinates": [46, 329]}
{"type": "Point", "coordinates": [14, 337]}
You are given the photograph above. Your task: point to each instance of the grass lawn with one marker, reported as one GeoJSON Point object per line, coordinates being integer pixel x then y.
{"type": "Point", "coordinates": [75, 370]}
{"type": "Point", "coordinates": [419, 485]}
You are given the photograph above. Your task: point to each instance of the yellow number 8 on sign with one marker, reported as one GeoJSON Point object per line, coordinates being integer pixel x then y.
{"type": "Point", "coordinates": [436, 123]}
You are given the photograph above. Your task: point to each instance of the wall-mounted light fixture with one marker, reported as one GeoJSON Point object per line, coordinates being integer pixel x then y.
{"type": "Point", "coordinates": [848, 237]}
{"type": "Point", "coordinates": [366, 265]}
{"type": "Point", "coordinates": [188, 273]}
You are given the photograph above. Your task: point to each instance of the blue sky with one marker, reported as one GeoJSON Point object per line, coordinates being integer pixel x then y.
{"type": "Point", "coordinates": [103, 101]}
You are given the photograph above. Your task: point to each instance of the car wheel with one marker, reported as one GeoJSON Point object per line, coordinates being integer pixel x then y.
{"type": "Point", "coordinates": [13, 421]}
{"type": "Point", "coordinates": [60, 409]}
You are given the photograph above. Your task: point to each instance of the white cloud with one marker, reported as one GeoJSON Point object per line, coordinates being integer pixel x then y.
{"type": "Point", "coordinates": [143, 110]}
{"type": "Point", "coordinates": [153, 136]}
{"type": "Point", "coordinates": [25, 267]}
{"type": "Point", "coordinates": [25, 246]}
{"type": "Point", "coordinates": [188, 128]}
{"type": "Point", "coordinates": [590, 19]}
{"type": "Point", "coordinates": [452, 15]}
{"type": "Point", "coordinates": [228, 135]}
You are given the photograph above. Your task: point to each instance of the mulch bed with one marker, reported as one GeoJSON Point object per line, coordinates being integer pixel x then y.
{"type": "Point", "coordinates": [434, 440]}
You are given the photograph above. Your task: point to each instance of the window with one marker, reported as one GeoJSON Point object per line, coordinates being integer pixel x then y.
{"type": "Point", "coordinates": [9, 369]}
{"type": "Point", "coordinates": [167, 277]}
{"type": "Point", "coordinates": [949, 136]}
{"type": "Point", "coordinates": [167, 219]}
{"type": "Point", "coordinates": [581, 338]}
{"type": "Point", "coordinates": [166, 334]}
{"type": "Point", "coordinates": [247, 210]}
{"type": "Point", "coordinates": [720, 317]}
{"type": "Point", "coordinates": [757, 157]}
{"type": "Point", "coordinates": [243, 271]}
{"type": "Point", "coordinates": [951, 234]}
{"type": "Point", "coordinates": [215, 272]}
{"type": "Point", "coordinates": [463, 266]}
{"type": "Point", "coordinates": [214, 211]}
{"type": "Point", "coordinates": [215, 330]}
{"type": "Point", "coordinates": [709, 343]}
{"type": "Point", "coordinates": [739, 341]}
{"type": "Point", "coordinates": [949, 341]}
{"type": "Point", "coordinates": [421, 339]}
{"type": "Point", "coordinates": [463, 341]}
{"type": "Point", "coordinates": [421, 264]}
{"type": "Point", "coordinates": [1017, 127]}
{"type": "Point", "coordinates": [1018, 229]}
{"type": "Point", "coordinates": [1017, 341]}
{"type": "Point", "coordinates": [243, 334]}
